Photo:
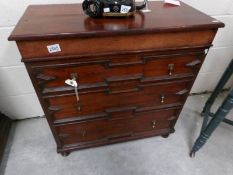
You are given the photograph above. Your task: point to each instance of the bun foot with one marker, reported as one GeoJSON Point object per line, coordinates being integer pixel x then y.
{"type": "Point", "coordinates": [165, 136]}
{"type": "Point", "coordinates": [65, 154]}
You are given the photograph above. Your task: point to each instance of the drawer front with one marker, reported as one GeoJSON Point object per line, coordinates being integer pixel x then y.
{"type": "Point", "coordinates": [117, 102]}
{"type": "Point", "coordinates": [111, 72]}
{"type": "Point", "coordinates": [108, 130]}
{"type": "Point", "coordinates": [114, 44]}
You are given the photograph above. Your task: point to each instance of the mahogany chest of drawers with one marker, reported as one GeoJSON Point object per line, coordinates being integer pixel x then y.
{"type": "Point", "coordinates": [133, 74]}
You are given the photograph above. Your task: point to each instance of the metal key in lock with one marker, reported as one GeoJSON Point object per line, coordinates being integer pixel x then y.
{"type": "Point", "coordinates": [76, 93]}
{"type": "Point", "coordinates": [73, 82]}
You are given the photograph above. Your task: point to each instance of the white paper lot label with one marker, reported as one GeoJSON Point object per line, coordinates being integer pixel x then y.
{"type": "Point", "coordinates": [54, 48]}
{"type": "Point", "coordinates": [125, 9]}
{"type": "Point", "coordinates": [106, 10]}
{"type": "Point", "coordinates": [174, 2]}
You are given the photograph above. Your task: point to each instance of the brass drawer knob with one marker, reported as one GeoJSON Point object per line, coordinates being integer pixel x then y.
{"type": "Point", "coordinates": [170, 69]}
{"type": "Point", "coordinates": [162, 99]}
{"type": "Point", "coordinates": [84, 133]}
{"type": "Point", "coordinates": [154, 124]}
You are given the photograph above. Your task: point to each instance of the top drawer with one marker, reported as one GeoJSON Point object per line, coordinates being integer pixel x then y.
{"type": "Point", "coordinates": [115, 71]}
{"type": "Point", "coordinates": [114, 44]}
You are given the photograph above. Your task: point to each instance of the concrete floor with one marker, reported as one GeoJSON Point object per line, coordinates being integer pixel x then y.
{"type": "Point", "coordinates": [31, 151]}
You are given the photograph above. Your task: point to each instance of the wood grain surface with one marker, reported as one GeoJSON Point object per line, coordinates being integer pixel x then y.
{"type": "Point", "coordinates": [46, 22]}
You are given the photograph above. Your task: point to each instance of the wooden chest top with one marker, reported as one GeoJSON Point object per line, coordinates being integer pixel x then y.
{"type": "Point", "coordinates": [66, 21]}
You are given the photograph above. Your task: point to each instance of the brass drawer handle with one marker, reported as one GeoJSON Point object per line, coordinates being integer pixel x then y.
{"type": "Point", "coordinates": [84, 133]}
{"type": "Point", "coordinates": [162, 99]}
{"type": "Point", "coordinates": [170, 69]}
{"type": "Point", "coordinates": [154, 122]}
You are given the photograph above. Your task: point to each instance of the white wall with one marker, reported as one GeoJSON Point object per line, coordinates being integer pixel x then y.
{"type": "Point", "coordinates": [17, 97]}
{"type": "Point", "coordinates": [222, 52]}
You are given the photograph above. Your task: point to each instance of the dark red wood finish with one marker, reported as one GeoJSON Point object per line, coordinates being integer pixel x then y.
{"type": "Point", "coordinates": [68, 21]}
{"type": "Point", "coordinates": [111, 129]}
{"type": "Point", "coordinates": [134, 74]}
{"type": "Point", "coordinates": [99, 102]}
{"type": "Point", "coordinates": [114, 71]}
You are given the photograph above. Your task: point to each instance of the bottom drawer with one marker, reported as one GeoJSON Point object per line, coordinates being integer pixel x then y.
{"type": "Point", "coordinates": [109, 130]}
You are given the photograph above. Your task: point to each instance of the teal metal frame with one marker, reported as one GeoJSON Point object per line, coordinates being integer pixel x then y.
{"type": "Point", "coordinates": [209, 126]}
